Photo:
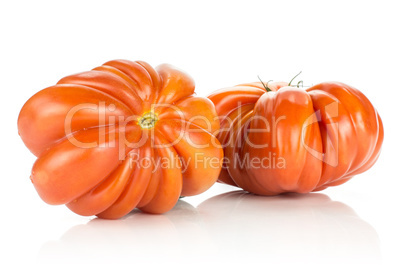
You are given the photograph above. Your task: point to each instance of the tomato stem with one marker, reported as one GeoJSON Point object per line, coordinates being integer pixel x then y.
{"type": "Point", "coordinates": [265, 85]}
{"type": "Point", "coordinates": [148, 120]}
{"type": "Point", "coordinates": [290, 83]}
{"type": "Point", "coordinates": [300, 82]}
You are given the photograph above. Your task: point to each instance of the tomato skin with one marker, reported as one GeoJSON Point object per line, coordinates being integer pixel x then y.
{"type": "Point", "coordinates": [322, 136]}
{"type": "Point", "coordinates": [89, 128]}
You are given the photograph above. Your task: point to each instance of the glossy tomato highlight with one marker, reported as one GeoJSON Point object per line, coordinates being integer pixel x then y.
{"type": "Point", "coordinates": [121, 136]}
{"type": "Point", "coordinates": [279, 138]}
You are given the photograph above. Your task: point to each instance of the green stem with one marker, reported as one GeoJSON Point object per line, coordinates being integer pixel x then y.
{"type": "Point", "coordinates": [265, 85]}
{"type": "Point", "coordinates": [300, 82]}
{"type": "Point", "coordinates": [294, 78]}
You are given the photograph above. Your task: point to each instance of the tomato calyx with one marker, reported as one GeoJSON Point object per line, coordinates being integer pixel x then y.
{"type": "Point", "coordinates": [147, 120]}
{"type": "Point", "coordinates": [265, 85]}
{"type": "Point", "coordinates": [290, 83]}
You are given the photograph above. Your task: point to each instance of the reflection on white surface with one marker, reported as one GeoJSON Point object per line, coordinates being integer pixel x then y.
{"type": "Point", "coordinates": [232, 228]}
{"type": "Point", "coordinates": [297, 229]}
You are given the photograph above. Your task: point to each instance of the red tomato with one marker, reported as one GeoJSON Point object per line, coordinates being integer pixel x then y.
{"type": "Point", "coordinates": [294, 140]}
{"type": "Point", "coordinates": [121, 136]}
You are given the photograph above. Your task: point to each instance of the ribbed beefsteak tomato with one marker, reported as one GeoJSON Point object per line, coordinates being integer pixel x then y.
{"type": "Point", "coordinates": [121, 136]}
{"type": "Point", "coordinates": [278, 138]}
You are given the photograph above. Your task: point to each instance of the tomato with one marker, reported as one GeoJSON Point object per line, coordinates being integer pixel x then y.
{"type": "Point", "coordinates": [119, 137]}
{"type": "Point", "coordinates": [278, 138]}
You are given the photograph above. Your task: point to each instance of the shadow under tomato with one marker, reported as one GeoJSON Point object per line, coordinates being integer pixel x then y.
{"type": "Point", "coordinates": [137, 238]}
{"type": "Point", "coordinates": [234, 227]}
{"type": "Point", "coordinates": [295, 228]}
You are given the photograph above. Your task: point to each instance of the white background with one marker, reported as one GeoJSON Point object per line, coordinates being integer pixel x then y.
{"type": "Point", "coordinates": [220, 43]}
